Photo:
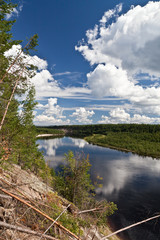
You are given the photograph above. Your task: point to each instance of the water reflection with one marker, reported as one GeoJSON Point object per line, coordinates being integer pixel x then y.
{"type": "Point", "coordinates": [49, 146]}
{"type": "Point", "coordinates": [129, 180]}
{"type": "Point", "coordinates": [118, 173]}
{"type": "Point", "coordinates": [54, 149]}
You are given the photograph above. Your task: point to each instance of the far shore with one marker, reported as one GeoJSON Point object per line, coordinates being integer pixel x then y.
{"type": "Point", "coordinates": [48, 135]}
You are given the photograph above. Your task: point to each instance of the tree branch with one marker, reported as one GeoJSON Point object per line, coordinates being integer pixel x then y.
{"type": "Point", "coordinates": [133, 225]}
{"type": "Point", "coordinates": [40, 212]}
{"type": "Point", "coordinates": [25, 230]}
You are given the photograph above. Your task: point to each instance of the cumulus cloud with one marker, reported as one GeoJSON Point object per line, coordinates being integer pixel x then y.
{"type": "Point", "coordinates": [107, 80]}
{"type": "Point", "coordinates": [53, 108]}
{"type": "Point", "coordinates": [52, 114]}
{"type": "Point", "coordinates": [119, 115]}
{"type": "Point", "coordinates": [82, 115]}
{"type": "Point", "coordinates": [111, 13]}
{"type": "Point", "coordinates": [123, 50]}
{"type": "Point", "coordinates": [25, 58]}
{"type": "Point", "coordinates": [131, 41]}
{"type": "Point", "coordinates": [43, 120]}
{"type": "Point", "coordinates": [45, 83]}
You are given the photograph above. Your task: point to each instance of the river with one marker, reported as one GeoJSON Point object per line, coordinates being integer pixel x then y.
{"type": "Point", "coordinates": [129, 180]}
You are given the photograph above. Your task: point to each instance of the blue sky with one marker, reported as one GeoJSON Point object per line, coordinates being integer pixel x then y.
{"type": "Point", "coordinates": [98, 60]}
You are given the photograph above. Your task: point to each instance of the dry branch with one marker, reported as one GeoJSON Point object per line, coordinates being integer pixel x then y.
{"type": "Point", "coordinates": [4, 115]}
{"type": "Point", "coordinates": [22, 194]}
{"type": "Point", "coordinates": [55, 221]}
{"type": "Point", "coordinates": [5, 196]}
{"type": "Point", "coordinates": [15, 60]}
{"type": "Point", "coordinates": [40, 212]}
{"type": "Point", "coordinates": [25, 230]}
{"type": "Point", "coordinates": [91, 210]}
{"type": "Point", "coordinates": [130, 226]}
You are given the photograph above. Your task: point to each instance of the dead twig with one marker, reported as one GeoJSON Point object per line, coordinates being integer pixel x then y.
{"type": "Point", "coordinates": [55, 221]}
{"type": "Point", "coordinates": [130, 226]}
{"type": "Point", "coordinates": [90, 210]}
{"type": "Point", "coordinates": [4, 115]}
{"type": "Point", "coordinates": [25, 230]}
{"type": "Point", "coordinates": [40, 212]}
{"type": "Point", "coordinates": [5, 196]}
{"type": "Point", "coordinates": [15, 60]}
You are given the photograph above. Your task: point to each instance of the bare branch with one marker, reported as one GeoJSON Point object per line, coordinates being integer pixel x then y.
{"type": "Point", "coordinates": [91, 210]}
{"type": "Point", "coordinates": [1, 80]}
{"type": "Point", "coordinates": [43, 214]}
{"type": "Point", "coordinates": [54, 221]}
{"type": "Point", "coordinates": [130, 226]}
{"type": "Point", "coordinates": [2, 121]}
{"type": "Point", "coordinates": [25, 230]}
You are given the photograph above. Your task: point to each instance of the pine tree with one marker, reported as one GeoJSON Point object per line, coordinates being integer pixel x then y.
{"type": "Point", "coordinates": [28, 154]}
{"type": "Point", "coordinates": [73, 181]}
{"type": "Point", "coordinates": [6, 43]}
{"type": "Point", "coordinates": [17, 135]}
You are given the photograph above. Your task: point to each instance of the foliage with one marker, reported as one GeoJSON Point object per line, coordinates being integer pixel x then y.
{"type": "Point", "coordinates": [73, 181]}
{"type": "Point", "coordinates": [88, 130]}
{"type": "Point", "coordinates": [18, 134]}
{"type": "Point", "coordinates": [142, 139]}
{"type": "Point", "coordinates": [47, 130]}
{"type": "Point", "coordinates": [146, 144]}
{"type": "Point", "coordinates": [108, 208]}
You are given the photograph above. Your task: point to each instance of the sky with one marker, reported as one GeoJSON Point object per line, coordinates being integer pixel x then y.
{"type": "Point", "coordinates": [98, 60]}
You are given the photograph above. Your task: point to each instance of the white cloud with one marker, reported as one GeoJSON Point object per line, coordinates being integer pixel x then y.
{"type": "Point", "coordinates": [62, 74]}
{"type": "Point", "coordinates": [53, 108]}
{"type": "Point", "coordinates": [122, 51]}
{"type": "Point", "coordinates": [111, 13]}
{"type": "Point", "coordinates": [52, 114]}
{"type": "Point", "coordinates": [43, 120]}
{"type": "Point", "coordinates": [82, 115]}
{"type": "Point", "coordinates": [107, 80]}
{"type": "Point", "coordinates": [119, 115]}
{"type": "Point", "coordinates": [45, 84]}
{"type": "Point", "coordinates": [27, 59]}
{"type": "Point", "coordinates": [131, 42]}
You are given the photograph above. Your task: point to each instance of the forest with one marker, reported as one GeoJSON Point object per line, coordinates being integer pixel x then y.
{"type": "Point", "coordinates": [142, 139]}
{"type": "Point", "coordinates": [18, 147]}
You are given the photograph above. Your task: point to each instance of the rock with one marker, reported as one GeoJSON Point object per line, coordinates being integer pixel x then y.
{"type": "Point", "coordinates": [9, 215]}
{"type": "Point", "coordinates": [2, 212]}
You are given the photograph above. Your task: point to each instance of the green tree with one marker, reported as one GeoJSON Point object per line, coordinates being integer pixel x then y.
{"type": "Point", "coordinates": [18, 133]}
{"type": "Point", "coordinates": [26, 151]}
{"type": "Point", "coordinates": [73, 181]}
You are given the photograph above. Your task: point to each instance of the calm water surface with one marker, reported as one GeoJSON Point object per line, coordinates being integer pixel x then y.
{"type": "Point", "coordinates": [129, 180]}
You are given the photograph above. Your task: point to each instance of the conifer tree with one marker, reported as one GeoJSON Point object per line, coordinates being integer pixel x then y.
{"type": "Point", "coordinates": [6, 43]}
{"type": "Point", "coordinates": [18, 132]}
{"type": "Point", "coordinates": [73, 181]}
{"type": "Point", "coordinates": [27, 151]}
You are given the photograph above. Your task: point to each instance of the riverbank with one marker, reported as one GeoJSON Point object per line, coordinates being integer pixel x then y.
{"type": "Point", "coordinates": [46, 135]}
{"type": "Point", "coordinates": [142, 139]}
{"type": "Point", "coordinates": [127, 142]}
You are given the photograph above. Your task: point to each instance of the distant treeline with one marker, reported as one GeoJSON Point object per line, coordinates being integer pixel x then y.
{"type": "Point", "coordinates": [48, 130]}
{"type": "Point", "coordinates": [143, 139]}
{"type": "Point", "coordinates": [87, 130]}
